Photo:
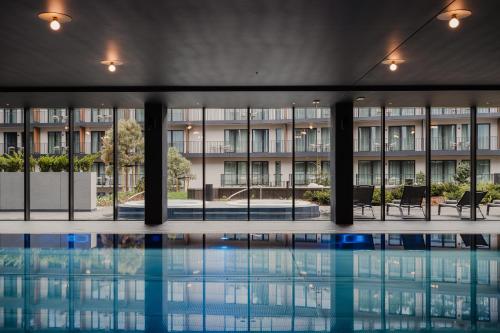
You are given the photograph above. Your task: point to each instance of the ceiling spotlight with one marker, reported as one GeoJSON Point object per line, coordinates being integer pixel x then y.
{"type": "Point", "coordinates": [453, 16]}
{"type": "Point", "coordinates": [111, 64]}
{"type": "Point", "coordinates": [360, 98]}
{"type": "Point", "coordinates": [393, 63]}
{"type": "Point", "coordinates": [316, 102]}
{"type": "Point", "coordinates": [189, 127]}
{"type": "Point", "coordinates": [54, 19]}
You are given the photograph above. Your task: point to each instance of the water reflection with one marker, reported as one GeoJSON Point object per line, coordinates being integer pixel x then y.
{"type": "Point", "coordinates": [249, 282]}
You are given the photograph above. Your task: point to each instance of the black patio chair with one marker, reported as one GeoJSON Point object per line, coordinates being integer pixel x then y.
{"type": "Point", "coordinates": [362, 196]}
{"type": "Point", "coordinates": [494, 203]}
{"type": "Point", "coordinates": [412, 197]}
{"type": "Point", "coordinates": [464, 202]}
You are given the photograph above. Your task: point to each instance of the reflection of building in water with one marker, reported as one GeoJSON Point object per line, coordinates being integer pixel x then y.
{"type": "Point", "coordinates": [435, 288]}
{"type": "Point", "coordinates": [70, 289]}
{"type": "Point", "coordinates": [262, 282]}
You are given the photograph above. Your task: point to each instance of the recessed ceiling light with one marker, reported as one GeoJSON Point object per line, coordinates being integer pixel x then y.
{"type": "Point", "coordinates": [393, 63]}
{"type": "Point", "coordinates": [316, 102]}
{"type": "Point", "coordinates": [112, 64]}
{"type": "Point", "coordinates": [453, 17]}
{"type": "Point", "coordinates": [360, 98]}
{"type": "Point", "coordinates": [55, 19]}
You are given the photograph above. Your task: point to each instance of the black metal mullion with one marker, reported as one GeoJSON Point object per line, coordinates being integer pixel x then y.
{"type": "Point", "coordinates": [27, 169]}
{"type": "Point", "coordinates": [71, 171]}
{"type": "Point", "coordinates": [293, 163]}
{"type": "Point", "coordinates": [428, 159]}
{"type": "Point", "coordinates": [249, 181]}
{"type": "Point", "coordinates": [382, 165]}
{"type": "Point", "coordinates": [115, 164]}
{"type": "Point", "coordinates": [473, 161]}
{"type": "Point", "coordinates": [203, 162]}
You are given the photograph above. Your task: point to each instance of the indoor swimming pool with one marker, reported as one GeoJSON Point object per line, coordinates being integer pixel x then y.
{"type": "Point", "coordinates": [250, 282]}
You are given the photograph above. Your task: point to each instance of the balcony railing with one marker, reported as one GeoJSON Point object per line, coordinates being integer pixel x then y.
{"type": "Point", "coordinates": [232, 179]}
{"type": "Point", "coordinates": [391, 179]}
{"type": "Point", "coordinates": [223, 147]}
{"type": "Point", "coordinates": [305, 179]}
{"type": "Point", "coordinates": [84, 147]}
{"type": "Point", "coordinates": [409, 145]}
{"type": "Point", "coordinates": [256, 115]}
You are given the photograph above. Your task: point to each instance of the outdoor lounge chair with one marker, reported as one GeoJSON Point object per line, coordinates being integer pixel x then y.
{"type": "Point", "coordinates": [495, 203]}
{"type": "Point", "coordinates": [464, 202]}
{"type": "Point", "coordinates": [412, 198]}
{"type": "Point", "coordinates": [362, 198]}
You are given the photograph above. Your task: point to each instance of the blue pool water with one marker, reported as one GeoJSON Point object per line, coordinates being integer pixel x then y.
{"type": "Point", "coordinates": [256, 282]}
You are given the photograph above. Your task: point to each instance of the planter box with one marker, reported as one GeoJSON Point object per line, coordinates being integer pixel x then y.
{"type": "Point", "coordinates": [48, 191]}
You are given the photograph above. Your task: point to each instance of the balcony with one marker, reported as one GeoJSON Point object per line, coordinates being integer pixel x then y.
{"type": "Point", "coordinates": [240, 180]}
{"type": "Point", "coordinates": [390, 180]}
{"type": "Point", "coordinates": [305, 179]}
{"type": "Point", "coordinates": [272, 148]}
{"type": "Point", "coordinates": [276, 115]}
{"type": "Point", "coordinates": [83, 148]}
{"type": "Point", "coordinates": [397, 148]}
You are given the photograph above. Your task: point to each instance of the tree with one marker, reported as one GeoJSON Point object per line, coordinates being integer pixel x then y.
{"type": "Point", "coordinates": [130, 148]}
{"type": "Point", "coordinates": [178, 167]}
{"type": "Point", "coordinates": [463, 172]}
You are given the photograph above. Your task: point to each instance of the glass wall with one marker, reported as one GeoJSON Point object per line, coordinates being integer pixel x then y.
{"type": "Point", "coordinates": [270, 163]}
{"type": "Point", "coordinates": [450, 157]}
{"type": "Point", "coordinates": [226, 163]}
{"type": "Point", "coordinates": [11, 164]}
{"type": "Point", "coordinates": [130, 164]}
{"type": "Point", "coordinates": [93, 163]}
{"type": "Point", "coordinates": [367, 173]}
{"type": "Point", "coordinates": [405, 162]}
{"type": "Point", "coordinates": [49, 189]}
{"type": "Point", "coordinates": [185, 171]}
{"type": "Point", "coordinates": [312, 163]}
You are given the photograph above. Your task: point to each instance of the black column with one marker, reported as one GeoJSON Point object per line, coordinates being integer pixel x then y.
{"type": "Point", "coordinates": [116, 165]}
{"type": "Point", "coordinates": [71, 168]}
{"type": "Point", "coordinates": [154, 164]}
{"type": "Point", "coordinates": [473, 155]}
{"type": "Point", "coordinates": [27, 155]}
{"type": "Point", "coordinates": [428, 168]}
{"type": "Point", "coordinates": [382, 165]}
{"type": "Point", "coordinates": [343, 166]}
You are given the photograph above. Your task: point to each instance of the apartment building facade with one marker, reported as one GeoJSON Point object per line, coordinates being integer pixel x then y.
{"type": "Point", "coordinates": [405, 144]}
{"type": "Point", "coordinates": [50, 135]}
{"type": "Point", "coordinates": [268, 138]}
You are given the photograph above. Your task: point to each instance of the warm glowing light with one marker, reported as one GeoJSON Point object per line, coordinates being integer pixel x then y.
{"type": "Point", "coordinates": [454, 22]}
{"type": "Point", "coordinates": [189, 127]}
{"type": "Point", "coordinates": [393, 67]}
{"type": "Point", "coordinates": [54, 24]}
{"type": "Point", "coordinates": [111, 67]}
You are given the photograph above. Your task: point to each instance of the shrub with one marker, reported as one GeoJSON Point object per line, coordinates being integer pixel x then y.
{"type": "Point", "coordinates": [84, 164]}
{"type": "Point", "coordinates": [376, 196]}
{"type": "Point", "coordinates": [60, 163]}
{"type": "Point", "coordinates": [45, 163]}
{"type": "Point", "coordinates": [13, 162]}
{"type": "Point", "coordinates": [321, 197]}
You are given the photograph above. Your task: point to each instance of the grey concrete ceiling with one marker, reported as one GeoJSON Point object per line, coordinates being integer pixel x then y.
{"type": "Point", "coordinates": [247, 43]}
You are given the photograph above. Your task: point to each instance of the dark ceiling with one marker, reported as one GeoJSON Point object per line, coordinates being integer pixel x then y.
{"type": "Point", "coordinates": [248, 43]}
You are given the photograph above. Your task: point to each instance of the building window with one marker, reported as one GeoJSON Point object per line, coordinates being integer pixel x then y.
{"type": "Point", "coordinates": [235, 173]}
{"type": "Point", "coordinates": [55, 143]}
{"type": "Point", "coordinates": [443, 171]}
{"type": "Point", "coordinates": [401, 172]}
{"type": "Point", "coordinates": [444, 137]}
{"type": "Point", "coordinates": [96, 141]}
{"type": "Point", "coordinates": [306, 140]}
{"type": "Point", "coordinates": [369, 138]}
{"type": "Point", "coordinates": [175, 139]}
{"type": "Point", "coordinates": [306, 173]}
{"type": "Point", "coordinates": [368, 173]}
{"type": "Point", "coordinates": [235, 141]}
{"type": "Point", "coordinates": [260, 140]}
{"type": "Point", "coordinates": [260, 173]}
{"type": "Point", "coordinates": [401, 138]}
